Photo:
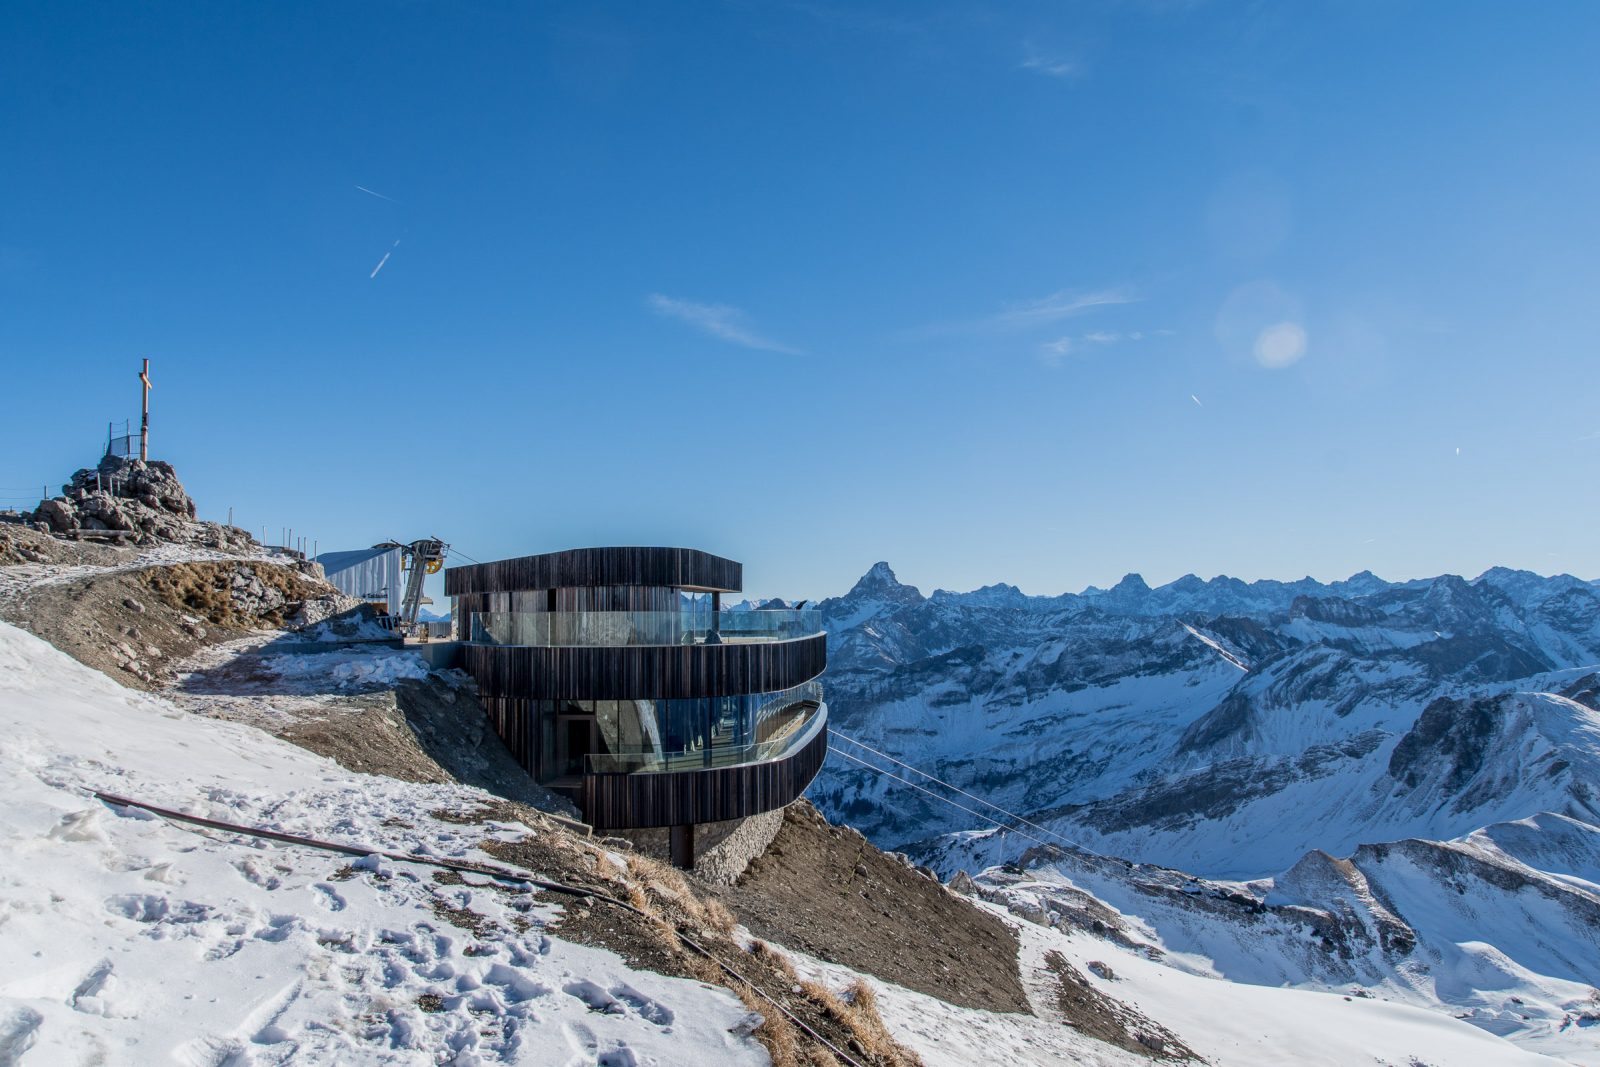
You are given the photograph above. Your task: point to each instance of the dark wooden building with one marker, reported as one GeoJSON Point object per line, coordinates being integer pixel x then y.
{"type": "Point", "coordinates": [614, 676]}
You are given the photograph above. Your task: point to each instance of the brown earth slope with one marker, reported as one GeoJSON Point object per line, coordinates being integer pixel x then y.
{"type": "Point", "coordinates": [827, 891]}
{"type": "Point", "coordinates": [136, 625]}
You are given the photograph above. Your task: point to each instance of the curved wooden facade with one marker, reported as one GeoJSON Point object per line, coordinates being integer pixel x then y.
{"type": "Point", "coordinates": [643, 672]}
{"type": "Point", "coordinates": [678, 568]}
{"type": "Point", "coordinates": [523, 687]}
{"type": "Point", "coordinates": [626, 801]}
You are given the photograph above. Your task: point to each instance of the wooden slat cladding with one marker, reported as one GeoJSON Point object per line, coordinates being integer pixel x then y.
{"type": "Point", "coordinates": [622, 801]}
{"type": "Point", "coordinates": [515, 720]}
{"type": "Point", "coordinates": [648, 672]}
{"type": "Point", "coordinates": [678, 568]}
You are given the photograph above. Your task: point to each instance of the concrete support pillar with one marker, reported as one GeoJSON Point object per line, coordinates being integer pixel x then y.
{"type": "Point", "coordinates": [682, 847]}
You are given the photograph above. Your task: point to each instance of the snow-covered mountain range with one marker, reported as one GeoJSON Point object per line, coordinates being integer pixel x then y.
{"type": "Point", "coordinates": [1390, 786]}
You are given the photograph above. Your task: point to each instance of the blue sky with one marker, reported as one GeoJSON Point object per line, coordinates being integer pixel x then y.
{"type": "Point", "coordinates": [1029, 293]}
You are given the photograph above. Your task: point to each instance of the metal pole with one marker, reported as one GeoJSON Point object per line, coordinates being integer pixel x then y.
{"type": "Point", "coordinates": [144, 414]}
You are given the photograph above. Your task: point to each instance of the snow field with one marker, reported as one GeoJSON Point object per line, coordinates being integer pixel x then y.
{"type": "Point", "coordinates": [131, 940]}
{"type": "Point", "coordinates": [347, 668]}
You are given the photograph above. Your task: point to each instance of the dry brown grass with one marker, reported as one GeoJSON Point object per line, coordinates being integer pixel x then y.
{"type": "Point", "coordinates": [780, 1036]}
{"type": "Point", "coordinates": [863, 1020]}
{"type": "Point", "coordinates": [668, 903]}
{"type": "Point", "coordinates": [205, 589]}
{"type": "Point", "coordinates": [668, 885]}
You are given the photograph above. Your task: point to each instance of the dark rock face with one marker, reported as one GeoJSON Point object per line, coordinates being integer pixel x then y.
{"type": "Point", "coordinates": [143, 500]}
{"type": "Point", "coordinates": [1228, 720]}
{"type": "Point", "coordinates": [1172, 803]}
{"type": "Point", "coordinates": [1335, 610]}
{"type": "Point", "coordinates": [1585, 691]}
{"type": "Point", "coordinates": [1448, 732]}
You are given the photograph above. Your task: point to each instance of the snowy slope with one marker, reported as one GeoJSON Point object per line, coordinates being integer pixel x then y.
{"type": "Point", "coordinates": [1385, 787]}
{"type": "Point", "coordinates": [1464, 928]}
{"type": "Point", "coordinates": [1185, 739]}
{"type": "Point", "coordinates": [1227, 1023]}
{"type": "Point", "coordinates": [133, 941]}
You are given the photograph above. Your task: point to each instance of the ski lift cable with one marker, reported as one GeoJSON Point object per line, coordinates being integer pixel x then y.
{"type": "Point", "coordinates": [905, 781]}
{"type": "Point", "coordinates": [933, 778]}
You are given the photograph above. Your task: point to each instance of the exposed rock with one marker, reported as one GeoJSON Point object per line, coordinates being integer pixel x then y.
{"type": "Point", "coordinates": [1453, 732]}
{"type": "Point", "coordinates": [142, 500]}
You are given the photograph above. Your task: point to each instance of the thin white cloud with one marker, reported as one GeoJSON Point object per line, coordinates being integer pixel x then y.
{"type": "Point", "coordinates": [1058, 306]}
{"type": "Point", "coordinates": [1051, 66]}
{"type": "Point", "coordinates": [722, 321]}
{"type": "Point", "coordinates": [1105, 337]}
{"type": "Point", "coordinates": [1051, 353]}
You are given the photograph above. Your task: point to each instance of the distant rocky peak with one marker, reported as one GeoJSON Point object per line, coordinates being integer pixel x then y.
{"type": "Point", "coordinates": [879, 582]}
{"type": "Point", "coordinates": [1364, 583]}
{"type": "Point", "coordinates": [1131, 583]}
{"type": "Point", "coordinates": [880, 574]}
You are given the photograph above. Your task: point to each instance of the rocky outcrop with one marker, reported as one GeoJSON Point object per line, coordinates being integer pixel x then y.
{"type": "Point", "coordinates": [143, 501]}
{"type": "Point", "coordinates": [1448, 733]}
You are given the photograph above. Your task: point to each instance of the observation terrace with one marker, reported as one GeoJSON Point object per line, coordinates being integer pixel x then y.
{"type": "Point", "coordinates": [614, 675]}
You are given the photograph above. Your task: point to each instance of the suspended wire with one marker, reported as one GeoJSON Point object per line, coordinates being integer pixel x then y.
{"type": "Point", "coordinates": [463, 555]}
{"type": "Point", "coordinates": [932, 778]}
{"type": "Point", "coordinates": [1085, 853]}
{"type": "Point", "coordinates": [975, 814]}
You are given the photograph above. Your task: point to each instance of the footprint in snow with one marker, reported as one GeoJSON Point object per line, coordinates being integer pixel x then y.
{"type": "Point", "coordinates": [514, 985]}
{"type": "Point", "coordinates": [648, 1009]}
{"type": "Point", "coordinates": [150, 908]}
{"type": "Point", "coordinates": [595, 997]}
{"type": "Point", "coordinates": [18, 1030]}
{"type": "Point", "coordinates": [258, 873]}
{"type": "Point", "coordinates": [586, 1049]}
{"type": "Point", "coordinates": [264, 1023]}
{"type": "Point", "coordinates": [618, 999]}
{"type": "Point", "coordinates": [211, 1050]}
{"type": "Point", "coordinates": [328, 897]}
{"type": "Point", "coordinates": [90, 995]}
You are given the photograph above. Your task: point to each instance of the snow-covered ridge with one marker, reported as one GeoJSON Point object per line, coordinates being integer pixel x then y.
{"type": "Point", "coordinates": [1343, 759]}
{"type": "Point", "coordinates": [1116, 720]}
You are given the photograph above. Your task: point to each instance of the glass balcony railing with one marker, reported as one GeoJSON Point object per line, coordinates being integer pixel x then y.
{"type": "Point", "coordinates": [787, 729]}
{"type": "Point", "coordinates": [589, 628]}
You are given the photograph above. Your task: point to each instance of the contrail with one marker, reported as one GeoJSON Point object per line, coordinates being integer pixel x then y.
{"type": "Point", "coordinates": [380, 196]}
{"type": "Point", "coordinates": [384, 260]}
{"type": "Point", "coordinates": [1195, 399]}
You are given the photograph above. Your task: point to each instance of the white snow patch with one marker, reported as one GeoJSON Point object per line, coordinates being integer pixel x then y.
{"type": "Point", "coordinates": [131, 940]}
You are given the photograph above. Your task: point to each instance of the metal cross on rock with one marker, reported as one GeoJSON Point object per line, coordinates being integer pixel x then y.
{"type": "Point", "coordinates": [144, 417]}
